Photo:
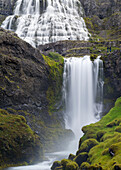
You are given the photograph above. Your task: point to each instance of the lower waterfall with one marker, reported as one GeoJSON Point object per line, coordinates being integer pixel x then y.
{"type": "Point", "coordinates": [83, 92]}
{"type": "Point", "coordinates": [83, 97]}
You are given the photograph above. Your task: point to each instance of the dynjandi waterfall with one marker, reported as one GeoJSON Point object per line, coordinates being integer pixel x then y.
{"type": "Point", "coordinates": [45, 21]}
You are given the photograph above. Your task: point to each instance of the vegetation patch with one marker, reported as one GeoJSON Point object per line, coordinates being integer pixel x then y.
{"type": "Point", "coordinates": [19, 145]}
{"type": "Point", "coordinates": [55, 62]}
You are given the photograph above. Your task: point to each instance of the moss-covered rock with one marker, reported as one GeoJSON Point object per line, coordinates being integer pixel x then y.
{"type": "Point", "coordinates": [87, 145]}
{"type": "Point", "coordinates": [80, 158]}
{"type": "Point", "coordinates": [85, 166]}
{"type": "Point", "coordinates": [55, 165]}
{"type": "Point", "coordinates": [71, 157]}
{"type": "Point", "coordinates": [71, 166]}
{"type": "Point", "coordinates": [104, 153]}
{"type": "Point", "coordinates": [55, 62]}
{"type": "Point", "coordinates": [100, 134]}
{"type": "Point", "coordinates": [18, 143]}
{"type": "Point", "coordinates": [30, 85]}
{"type": "Point", "coordinates": [65, 164]}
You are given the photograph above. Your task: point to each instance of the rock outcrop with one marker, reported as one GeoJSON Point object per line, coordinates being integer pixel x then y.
{"type": "Point", "coordinates": [103, 18]}
{"type": "Point", "coordinates": [30, 85]}
{"type": "Point", "coordinates": [6, 7]}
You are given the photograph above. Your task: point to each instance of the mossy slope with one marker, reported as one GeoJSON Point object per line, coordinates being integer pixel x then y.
{"type": "Point", "coordinates": [100, 145]}
{"type": "Point", "coordinates": [18, 143]}
{"type": "Point", "coordinates": [55, 62]}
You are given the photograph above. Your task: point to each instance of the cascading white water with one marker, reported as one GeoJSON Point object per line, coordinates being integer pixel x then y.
{"type": "Point", "coordinates": [83, 92]}
{"type": "Point", "coordinates": [44, 21]}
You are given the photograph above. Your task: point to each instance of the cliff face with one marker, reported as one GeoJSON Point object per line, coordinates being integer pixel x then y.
{"type": "Point", "coordinates": [23, 74]}
{"type": "Point", "coordinates": [101, 8]}
{"type": "Point", "coordinates": [30, 85]}
{"type": "Point", "coordinates": [103, 18]}
{"type": "Point", "coordinates": [6, 7]}
{"type": "Point", "coordinates": [111, 60]}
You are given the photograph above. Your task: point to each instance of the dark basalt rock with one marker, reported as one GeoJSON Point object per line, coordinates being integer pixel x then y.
{"type": "Point", "coordinates": [101, 8]}
{"type": "Point", "coordinates": [82, 157]}
{"type": "Point", "coordinates": [6, 7]}
{"type": "Point", "coordinates": [25, 89]}
{"type": "Point", "coordinates": [112, 78]}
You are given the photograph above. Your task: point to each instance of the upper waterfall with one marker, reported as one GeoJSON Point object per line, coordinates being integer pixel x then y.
{"type": "Point", "coordinates": [45, 21]}
{"type": "Point", "coordinates": [83, 92]}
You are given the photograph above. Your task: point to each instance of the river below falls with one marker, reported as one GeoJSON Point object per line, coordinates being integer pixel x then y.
{"type": "Point", "coordinates": [51, 157]}
{"type": "Point", "coordinates": [45, 165]}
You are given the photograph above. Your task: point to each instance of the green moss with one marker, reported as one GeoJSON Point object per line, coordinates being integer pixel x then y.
{"type": "Point", "coordinates": [81, 157]}
{"type": "Point", "coordinates": [71, 156]}
{"type": "Point", "coordinates": [118, 102]}
{"type": "Point", "coordinates": [9, 79]}
{"type": "Point", "coordinates": [71, 166]}
{"type": "Point", "coordinates": [107, 129]}
{"type": "Point", "coordinates": [55, 165]}
{"type": "Point", "coordinates": [89, 23]}
{"type": "Point", "coordinates": [87, 145]}
{"type": "Point", "coordinates": [55, 62]}
{"type": "Point", "coordinates": [100, 134]}
{"type": "Point", "coordinates": [64, 162]}
{"type": "Point", "coordinates": [118, 129]}
{"type": "Point", "coordinates": [17, 140]}
{"type": "Point", "coordinates": [93, 154]}
{"type": "Point", "coordinates": [84, 165]}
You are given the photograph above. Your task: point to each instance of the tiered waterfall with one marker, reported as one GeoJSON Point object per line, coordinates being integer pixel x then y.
{"type": "Point", "coordinates": [45, 21]}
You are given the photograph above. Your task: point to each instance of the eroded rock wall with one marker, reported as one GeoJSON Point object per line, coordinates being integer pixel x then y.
{"type": "Point", "coordinates": [104, 17]}
{"type": "Point", "coordinates": [29, 86]}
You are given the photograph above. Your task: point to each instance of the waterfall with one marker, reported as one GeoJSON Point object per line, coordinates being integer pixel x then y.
{"type": "Point", "coordinates": [45, 21]}
{"type": "Point", "coordinates": [83, 92]}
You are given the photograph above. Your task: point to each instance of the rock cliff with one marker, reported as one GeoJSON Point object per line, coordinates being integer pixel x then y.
{"type": "Point", "coordinates": [103, 18]}
{"type": "Point", "coordinates": [30, 85]}
{"type": "Point", "coordinates": [111, 60]}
